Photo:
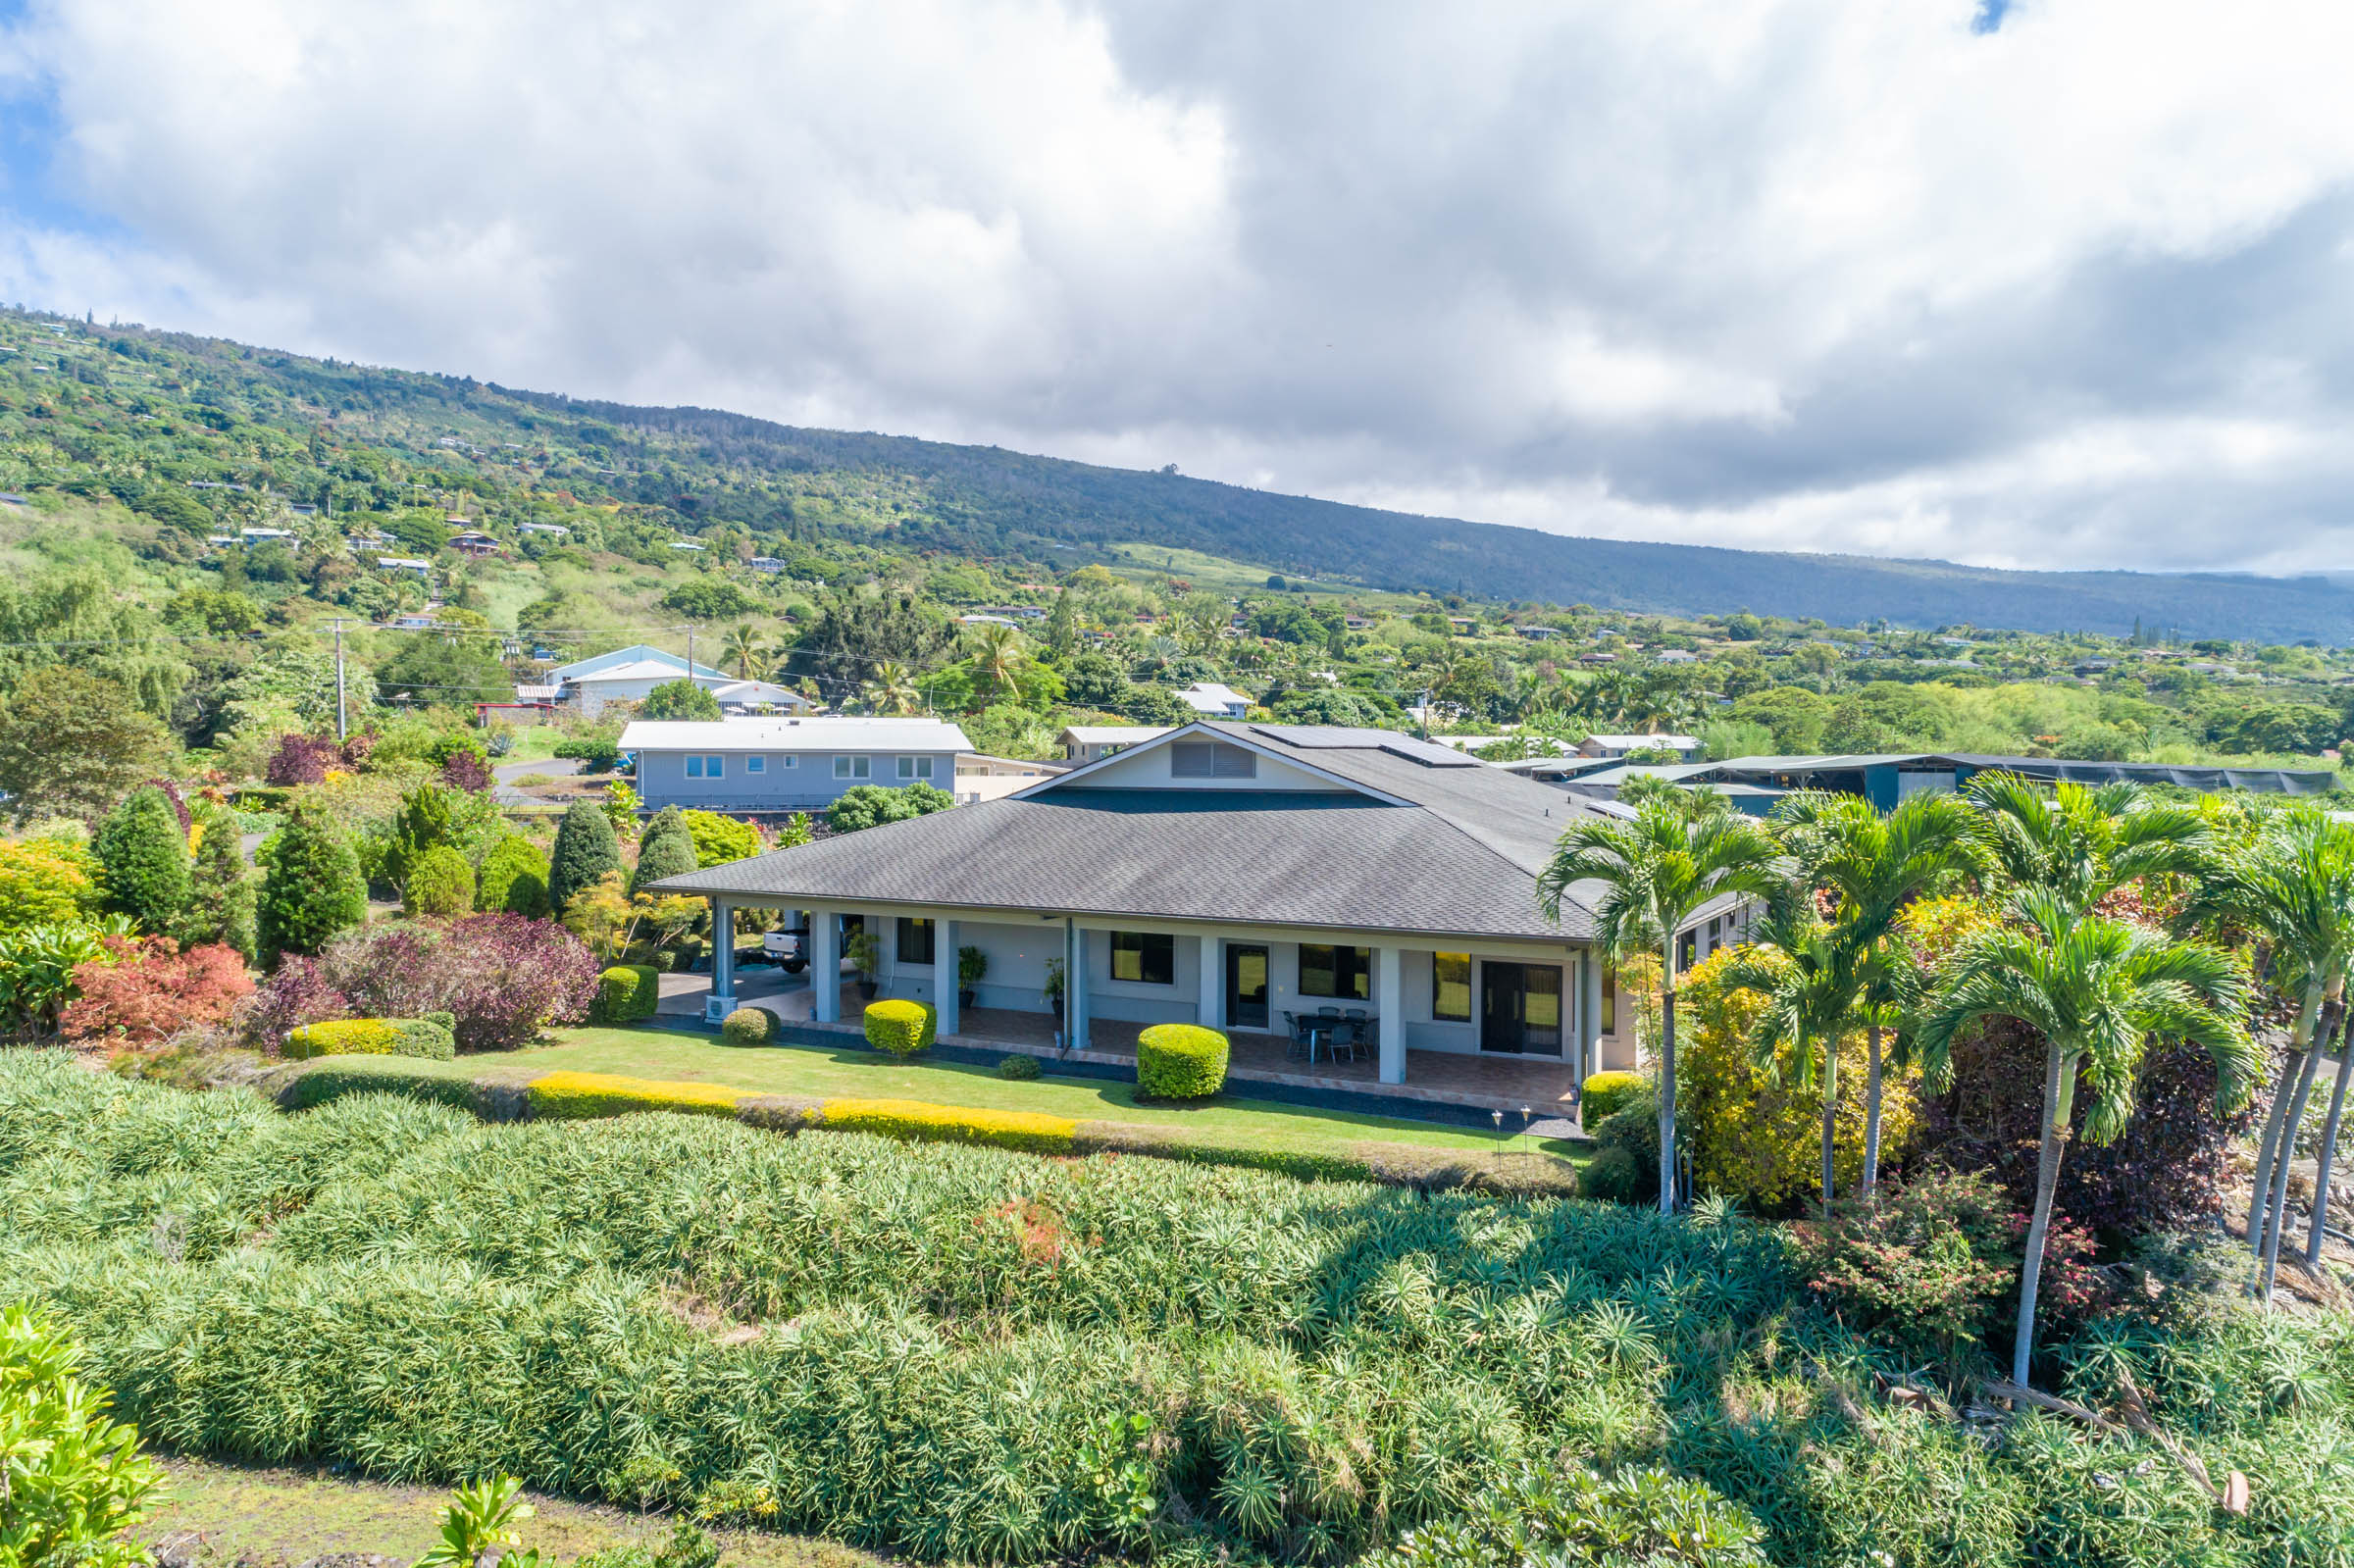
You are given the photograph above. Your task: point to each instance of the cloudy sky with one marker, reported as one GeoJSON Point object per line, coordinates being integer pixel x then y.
{"type": "Point", "coordinates": [2056, 283]}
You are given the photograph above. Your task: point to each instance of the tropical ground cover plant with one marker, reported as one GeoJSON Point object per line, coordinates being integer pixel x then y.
{"type": "Point", "coordinates": [918, 1347]}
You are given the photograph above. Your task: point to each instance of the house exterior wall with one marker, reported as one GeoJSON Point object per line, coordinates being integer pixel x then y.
{"type": "Point", "coordinates": [1018, 951]}
{"type": "Point", "coordinates": [1150, 769]}
{"type": "Point", "coordinates": [806, 784]}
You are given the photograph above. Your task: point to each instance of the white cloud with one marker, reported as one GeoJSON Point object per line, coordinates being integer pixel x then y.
{"type": "Point", "coordinates": [1805, 275]}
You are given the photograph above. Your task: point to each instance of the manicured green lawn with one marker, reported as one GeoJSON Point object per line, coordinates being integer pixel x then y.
{"type": "Point", "coordinates": [826, 1073]}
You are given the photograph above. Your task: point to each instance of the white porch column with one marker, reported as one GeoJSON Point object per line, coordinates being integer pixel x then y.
{"type": "Point", "coordinates": [722, 1000]}
{"type": "Point", "coordinates": [1589, 1014]}
{"type": "Point", "coordinates": [825, 964]}
{"type": "Point", "coordinates": [1075, 990]}
{"type": "Point", "coordinates": [1389, 1006]}
{"type": "Point", "coordinates": [945, 1001]}
{"type": "Point", "coordinates": [1212, 1012]}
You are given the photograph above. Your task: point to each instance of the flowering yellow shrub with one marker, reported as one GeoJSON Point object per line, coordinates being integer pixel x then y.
{"type": "Point", "coordinates": [1758, 1139]}
{"type": "Point", "coordinates": [572, 1095]}
{"type": "Point", "coordinates": [1033, 1132]}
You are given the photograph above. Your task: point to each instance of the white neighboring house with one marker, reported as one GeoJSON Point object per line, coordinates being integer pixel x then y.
{"type": "Point", "coordinates": [739, 697]}
{"type": "Point", "coordinates": [1214, 701]}
{"type": "Point", "coordinates": [1091, 743]}
{"type": "Point", "coordinates": [1688, 747]}
{"type": "Point", "coordinates": [629, 674]}
{"type": "Point", "coordinates": [788, 764]}
{"type": "Point", "coordinates": [982, 776]}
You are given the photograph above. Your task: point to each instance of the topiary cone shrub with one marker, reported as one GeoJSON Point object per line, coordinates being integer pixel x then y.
{"type": "Point", "coordinates": [1180, 1062]}
{"type": "Point", "coordinates": [1609, 1092]}
{"type": "Point", "coordinates": [901, 1028]}
{"type": "Point", "coordinates": [749, 1025]}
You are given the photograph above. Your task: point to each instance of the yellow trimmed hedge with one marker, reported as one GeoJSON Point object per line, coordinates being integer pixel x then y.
{"type": "Point", "coordinates": [1030, 1131]}
{"type": "Point", "coordinates": [572, 1097]}
{"type": "Point", "coordinates": [343, 1036]}
{"type": "Point", "coordinates": [901, 1028]}
{"type": "Point", "coordinates": [1180, 1062]}
{"type": "Point", "coordinates": [426, 1037]}
{"type": "Point", "coordinates": [627, 992]}
{"type": "Point", "coordinates": [1605, 1092]}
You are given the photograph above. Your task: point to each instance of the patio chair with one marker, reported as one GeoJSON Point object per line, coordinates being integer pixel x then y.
{"type": "Point", "coordinates": [1298, 1038]}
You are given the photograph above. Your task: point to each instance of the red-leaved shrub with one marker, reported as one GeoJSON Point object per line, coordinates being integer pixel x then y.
{"type": "Point", "coordinates": [150, 990]}
{"type": "Point", "coordinates": [466, 770]}
{"type": "Point", "coordinates": [2165, 1174]}
{"type": "Point", "coordinates": [1936, 1262]}
{"type": "Point", "coordinates": [503, 977]}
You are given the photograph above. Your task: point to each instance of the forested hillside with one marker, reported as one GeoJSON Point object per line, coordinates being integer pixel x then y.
{"type": "Point", "coordinates": [321, 432]}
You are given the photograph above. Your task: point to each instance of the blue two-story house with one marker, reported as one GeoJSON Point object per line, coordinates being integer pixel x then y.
{"type": "Point", "coordinates": [786, 764]}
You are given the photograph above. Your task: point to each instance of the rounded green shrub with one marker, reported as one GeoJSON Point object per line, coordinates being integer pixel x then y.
{"type": "Point", "coordinates": [514, 878]}
{"type": "Point", "coordinates": [1180, 1062]}
{"type": "Point", "coordinates": [627, 992]}
{"type": "Point", "coordinates": [1615, 1176]}
{"type": "Point", "coordinates": [1019, 1066]}
{"type": "Point", "coordinates": [1607, 1092]}
{"type": "Point", "coordinates": [435, 1036]}
{"type": "Point", "coordinates": [901, 1028]}
{"type": "Point", "coordinates": [440, 883]}
{"type": "Point", "coordinates": [749, 1025]}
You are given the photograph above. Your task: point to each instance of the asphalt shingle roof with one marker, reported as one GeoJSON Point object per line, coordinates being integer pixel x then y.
{"type": "Point", "coordinates": [1460, 859]}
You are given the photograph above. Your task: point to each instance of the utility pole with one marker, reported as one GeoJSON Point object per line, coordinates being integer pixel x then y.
{"type": "Point", "coordinates": [340, 727]}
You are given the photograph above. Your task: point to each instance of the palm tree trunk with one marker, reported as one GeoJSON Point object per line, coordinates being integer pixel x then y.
{"type": "Point", "coordinates": [1872, 1115]}
{"type": "Point", "coordinates": [2059, 1086]}
{"type": "Point", "coordinates": [2328, 1152]}
{"type": "Point", "coordinates": [2300, 1039]}
{"type": "Point", "coordinates": [2276, 1210]}
{"type": "Point", "coordinates": [1831, 1116]}
{"type": "Point", "coordinates": [1667, 1076]}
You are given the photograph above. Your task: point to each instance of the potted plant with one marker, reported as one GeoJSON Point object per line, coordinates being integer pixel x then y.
{"type": "Point", "coordinates": [865, 955]}
{"type": "Point", "coordinates": [971, 964]}
{"type": "Point", "coordinates": [1054, 989]}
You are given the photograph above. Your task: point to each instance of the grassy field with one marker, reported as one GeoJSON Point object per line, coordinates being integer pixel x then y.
{"type": "Point", "coordinates": [828, 1073]}
{"type": "Point", "coordinates": [218, 1513]}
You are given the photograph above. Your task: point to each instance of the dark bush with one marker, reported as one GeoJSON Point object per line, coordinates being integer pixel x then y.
{"type": "Point", "coordinates": [2165, 1174]}
{"type": "Point", "coordinates": [1019, 1066]}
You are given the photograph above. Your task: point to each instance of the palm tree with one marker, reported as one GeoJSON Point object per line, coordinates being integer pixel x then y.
{"type": "Point", "coordinates": [742, 647]}
{"type": "Point", "coordinates": [1656, 873]}
{"type": "Point", "coordinates": [2096, 987]}
{"type": "Point", "coordinates": [893, 691]}
{"type": "Point", "coordinates": [1806, 970]}
{"type": "Point", "coordinates": [1874, 866]}
{"type": "Point", "coordinates": [997, 658]}
{"type": "Point", "coordinates": [2293, 886]}
{"type": "Point", "coordinates": [2082, 843]}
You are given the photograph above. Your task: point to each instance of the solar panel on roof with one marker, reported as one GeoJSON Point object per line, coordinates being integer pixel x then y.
{"type": "Point", "coordinates": [1340, 737]}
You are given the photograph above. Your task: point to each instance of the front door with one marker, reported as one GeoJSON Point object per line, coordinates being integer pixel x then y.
{"type": "Point", "coordinates": [1245, 987]}
{"type": "Point", "coordinates": [1521, 1008]}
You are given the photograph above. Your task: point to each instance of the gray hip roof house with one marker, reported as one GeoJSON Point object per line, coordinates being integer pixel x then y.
{"type": "Point", "coordinates": [1228, 874]}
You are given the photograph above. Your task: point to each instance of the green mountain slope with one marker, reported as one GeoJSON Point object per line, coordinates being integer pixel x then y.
{"type": "Point", "coordinates": [208, 412]}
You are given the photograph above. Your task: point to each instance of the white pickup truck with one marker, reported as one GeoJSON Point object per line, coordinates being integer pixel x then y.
{"type": "Point", "coordinates": [786, 948]}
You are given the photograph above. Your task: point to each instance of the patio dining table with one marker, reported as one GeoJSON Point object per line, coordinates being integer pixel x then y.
{"type": "Point", "coordinates": [1311, 1027]}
